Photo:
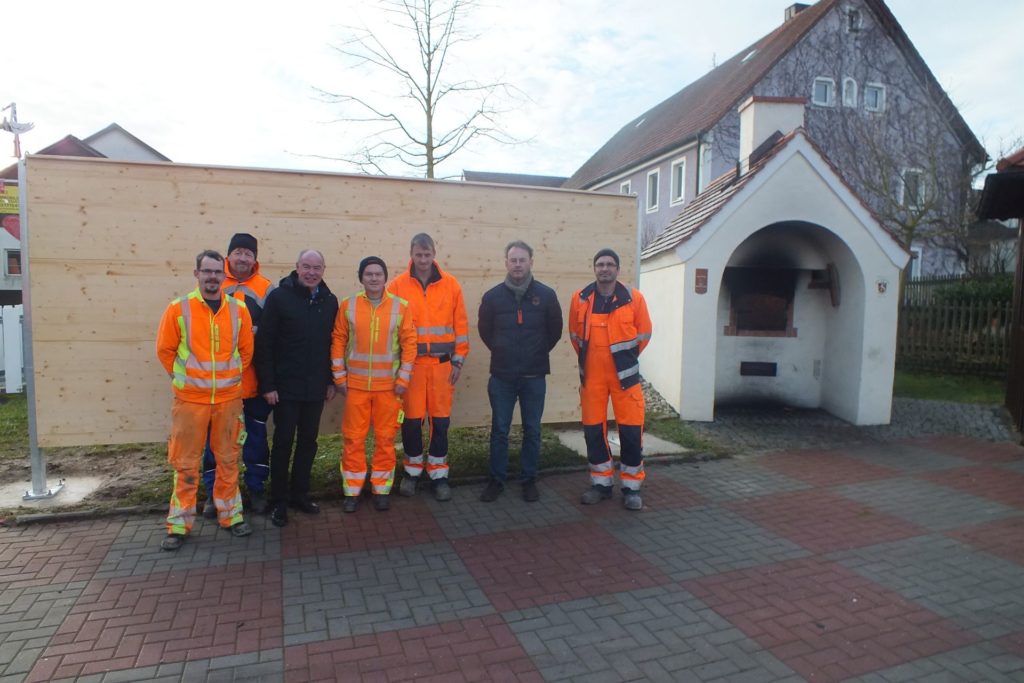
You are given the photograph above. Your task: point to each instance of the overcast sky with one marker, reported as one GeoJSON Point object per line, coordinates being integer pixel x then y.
{"type": "Point", "coordinates": [233, 83]}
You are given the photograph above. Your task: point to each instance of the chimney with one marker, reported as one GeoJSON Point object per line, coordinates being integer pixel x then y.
{"type": "Point", "coordinates": [760, 118]}
{"type": "Point", "coordinates": [795, 9]}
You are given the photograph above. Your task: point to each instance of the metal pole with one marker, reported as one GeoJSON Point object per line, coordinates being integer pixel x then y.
{"type": "Point", "coordinates": [39, 490]}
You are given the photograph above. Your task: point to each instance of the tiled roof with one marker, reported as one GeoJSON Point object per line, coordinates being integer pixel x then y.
{"type": "Point", "coordinates": [513, 178]}
{"type": "Point", "coordinates": [696, 108]}
{"type": "Point", "coordinates": [67, 146]}
{"type": "Point", "coordinates": [1015, 161]}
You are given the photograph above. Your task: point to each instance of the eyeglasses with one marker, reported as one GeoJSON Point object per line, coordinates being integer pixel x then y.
{"type": "Point", "coordinates": [305, 268]}
{"type": "Point", "coordinates": [206, 272]}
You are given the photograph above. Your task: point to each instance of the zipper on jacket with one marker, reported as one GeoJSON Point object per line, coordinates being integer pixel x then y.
{"type": "Point", "coordinates": [214, 348]}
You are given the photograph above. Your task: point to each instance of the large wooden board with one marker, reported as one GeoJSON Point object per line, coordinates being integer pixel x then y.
{"type": "Point", "coordinates": [111, 243]}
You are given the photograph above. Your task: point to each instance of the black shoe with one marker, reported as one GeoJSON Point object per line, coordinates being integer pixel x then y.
{"type": "Point", "coordinates": [258, 503]}
{"type": "Point", "coordinates": [172, 542]}
{"type": "Point", "coordinates": [350, 504]}
{"type": "Point", "coordinates": [381, 502]}
{"type": "Point", "coordinates": [491, 492]}
{"type": "Point", "coordinates": [530, 492]}
{"type": "Point", "coordinates": [306, 505]}
{"type": "Point", "coordinates": [209, 509]}
{"type": "Point", "coordinates": [240, 529]}
{"type": "Point", "coordinates": [279, 517]}
{"type": "Point", "coordinates": [595, 494]}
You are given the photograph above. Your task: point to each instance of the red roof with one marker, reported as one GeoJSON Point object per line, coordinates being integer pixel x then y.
{"type": "Point", "coordinates": [696, 108]}
{"type": "Point", "coordinates": [67, 146]}
{"type": "Point", "coordinates": [1014, 161]}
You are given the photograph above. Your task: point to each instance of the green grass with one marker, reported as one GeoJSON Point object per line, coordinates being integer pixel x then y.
{"type": "Point", "coordinates": [13, 426]}
{"type": "Point", "coordinates": [675, 430]}
{"type": "Point", "coordinates": [960, 388]}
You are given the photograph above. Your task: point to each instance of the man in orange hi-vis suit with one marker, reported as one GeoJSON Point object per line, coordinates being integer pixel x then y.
{"type": "Point", "coordinates": [372, 353]}
{"type": "Point", "coordinates": [205, 342]}
{"type": "Point", "coordinates": [442, 331]}
{"type": "Point", "coordinates": [609, 327]}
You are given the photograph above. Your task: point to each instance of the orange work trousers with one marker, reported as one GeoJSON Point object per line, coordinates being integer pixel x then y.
{"type": "Point", "coordinates": [602, 384]}
{"type": "Point", "coordinates": [364, 409]}
{"type": "Point", "coordinates": [189, 425]}
{"type": "Point", "coordinates": [430, 396]}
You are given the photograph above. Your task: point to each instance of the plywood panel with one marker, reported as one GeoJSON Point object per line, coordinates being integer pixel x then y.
{"type": "Point", "coordinates": [111, 243]}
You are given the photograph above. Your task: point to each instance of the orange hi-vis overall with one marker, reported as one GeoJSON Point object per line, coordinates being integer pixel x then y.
{"type": "Point", "coordinates": [442, 336]}
{"type": "Point", "coordinates": [256, 287]}
{"type": "Point", "coordinates": [609, 333]}
{"type": "Point", "coordinates": [372, 350]}
{"type": "Point", "coordinates": [205, 353]}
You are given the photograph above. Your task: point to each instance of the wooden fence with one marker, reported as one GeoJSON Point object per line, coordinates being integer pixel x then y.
{"type": "Point", "coordinates": [923, 290]}
{"type": "Point", "coordinates": [969, 338]}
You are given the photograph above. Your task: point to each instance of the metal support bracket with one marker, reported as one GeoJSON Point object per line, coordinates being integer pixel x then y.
{"type": "Point", "coordinates": [46, 495]}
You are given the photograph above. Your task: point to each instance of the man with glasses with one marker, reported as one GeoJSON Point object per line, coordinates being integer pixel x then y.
{"type": "Point", "coordinates": [204, 343]}
{"type": "Point", "coordinates": [293, 366]}
{"type": "Point", "coordinates": [244, 282]}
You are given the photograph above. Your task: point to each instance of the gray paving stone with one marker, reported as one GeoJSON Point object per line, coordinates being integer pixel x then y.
{"type": "Point", "coordinates": [380, 590]}
{"type": "Point", "coordinates": [981, 662]}
{"type": "Point", "coordinates": [136, 550]}
{"type": "Point", "coordinates": [979, 591]}
{"type": "Point", "coordinates": [700, 541]}
{"type": "Point", "coordinates": [586, 639]}
{"type": "Point", "coordinates": [464, 515]}
{"type": "Point", "coordinates": [905, 457]}
{"type": "Point", "coordinates": [731, 479]}
{"type": "Point", "coordinates": [929, 505]}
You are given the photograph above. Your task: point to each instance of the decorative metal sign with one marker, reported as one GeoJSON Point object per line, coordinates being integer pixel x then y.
{"type": "Point", "coordinates": [700, 284]}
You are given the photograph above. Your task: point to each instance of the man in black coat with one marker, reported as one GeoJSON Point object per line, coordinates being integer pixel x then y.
{"type": "Point", "coordinates": [520, 321]}
{"type": "Point", "coordinates": [293, 366]}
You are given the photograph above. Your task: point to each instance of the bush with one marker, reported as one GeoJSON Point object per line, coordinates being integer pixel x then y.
{"type": "Point", "coordinates": [994, 288]}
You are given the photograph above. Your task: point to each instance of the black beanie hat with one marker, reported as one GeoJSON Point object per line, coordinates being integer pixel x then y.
{"type": "Point", "coordinates": [370, 260]}
{"type": "Point", "coordinates": [243, 240]}
{"type": "Point", "coordinates": [607, 252]}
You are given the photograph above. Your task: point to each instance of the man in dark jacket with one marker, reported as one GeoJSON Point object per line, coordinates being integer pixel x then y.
{"type": "Point", "coordinates": [293, 365]}
{"type": "Point", "coordinates": [520, 321]}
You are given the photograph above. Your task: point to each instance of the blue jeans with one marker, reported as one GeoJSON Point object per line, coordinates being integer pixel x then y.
{"type": "Point", "coordinates": [504, 393]}
{"type": "Point", "coordinates": [255, 453]}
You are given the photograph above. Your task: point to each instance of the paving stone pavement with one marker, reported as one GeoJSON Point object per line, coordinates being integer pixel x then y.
{"type": "Point", "coordinates": [868, 559]}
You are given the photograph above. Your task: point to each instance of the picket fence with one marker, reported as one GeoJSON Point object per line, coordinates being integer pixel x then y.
{"type": "Point", "coordinates": [12, 359]}
{"type": "Point", "coordinates": [968, 338]}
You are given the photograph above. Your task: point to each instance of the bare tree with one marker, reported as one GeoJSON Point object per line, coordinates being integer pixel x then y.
{"type": "Point", "coordinates": [445, 115]}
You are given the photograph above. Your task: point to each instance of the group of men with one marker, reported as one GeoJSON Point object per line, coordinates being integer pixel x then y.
{"type": "Point", "coordinates": [237, 349]}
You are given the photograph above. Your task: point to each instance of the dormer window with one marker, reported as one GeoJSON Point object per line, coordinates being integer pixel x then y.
{"type": "Point", "coordinates": [823, 93]}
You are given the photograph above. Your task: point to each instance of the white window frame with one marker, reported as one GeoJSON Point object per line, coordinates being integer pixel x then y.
{"type": "Point", "coordinates": [677, 195]}
{"type": "Point", "coordinates": [7, 256]}
{"type": "Point", "coordinates": [881, 99]}
{"type": "Point", "coordinates": [656, 174]}
{"type": "Point", "coordinates": [853, 19]}
{"type": "Point", "coordinates": [849, 92]}
{"type": "Point", "coordinates": [915, 262]}
{"type": "Point", "coordinates": [626, 187]}
{"type": "Point", "coordinates": [922, 186]}
{"type": "Point", "coordinates": [831, 102]}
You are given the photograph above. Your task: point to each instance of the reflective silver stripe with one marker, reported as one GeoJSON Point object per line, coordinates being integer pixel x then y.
{"type": "Point", "coordinates": [603, 467]}
{"type": "Point", "coordinates": [644, 337]}
{"type": "Point", "coordinates": [404, 375]}
{"type": "Point", "coordinates": [458, 359]}
{"type": "Point", "coordinates": [340, 375]}
{"type": "Point", "coordinates": [461, 338]}
{"type": "Point", "coordinates": [624, 346]}
{"type": "Point", "coordinates": [211, 383]}
{"type": "Point", "coordinates": [208, 366]}
{"type": "Point", "coordinates": [370, 357]}
{"type": "Point", "coordinates": [631, 484]}
{"type": "Point", "coordinates": [434, 330]}
{"type": "Point", "coordinates": [632, 469]}
{"type": "Point", "coordinates": [628, 372]}
{"type": "Point", "coordinates": [248, 291]}
{"type": "Point", "coordinates": [574, 337]}
{"type": "Point", "coordinates": [373, 372]}
{"type": "Point", "coordinates": [356, 488]}
{"type": "Point", "coordinates": [414, 459]}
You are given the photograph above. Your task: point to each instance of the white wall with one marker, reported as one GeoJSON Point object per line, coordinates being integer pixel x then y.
{"type": "Point", "coordinates": [661, 363]}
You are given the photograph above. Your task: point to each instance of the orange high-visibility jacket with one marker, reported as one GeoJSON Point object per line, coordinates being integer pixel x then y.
{"type": "Point", "coordinates": [205, 352]}
{"type": "Point", "coordinates": [629, 329]}
{"type": "Point", "coordinates": [373, 347]}
{"type": "Point", "coordinates": [253, 292]}
{"type": "Point", "coordinates": [442, 328]}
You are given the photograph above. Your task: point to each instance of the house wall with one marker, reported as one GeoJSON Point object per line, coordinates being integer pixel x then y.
{"type": "Point", "coordinates": [661, 363]}
{"type": "Point", "coordinates": [110, 243]}
{"type": "Point", "coordinates": [114, 144]}
{"type": "Point", "coordinates": [909, 133]}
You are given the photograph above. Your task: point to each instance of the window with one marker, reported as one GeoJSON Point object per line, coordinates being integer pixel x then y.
{"type": "Point", "coordinates": [678, 181]}
{"type": "Point", "coordinates": [626, 187]}
{"type": "Point", "coordinates": [824, 92]}
{"type": "Point", "coordinates": [849, 92]}
{"type": "Point", "coordinates": [874, 97]}
{"type": "Point", "coordinates": [854, 21]}
{"type": "Point", "coordinates": [704, 163]}
{"type": "Point", "coordinates": [760, 302]}
{"type": "Point", "coordinates": [913, 188]}
{"type": "Point", "coordinates": [12, 262]}
{"type": "Point", "coordinates": [916, 254]}
{"type": "Point", "coordinates": [652, 191]}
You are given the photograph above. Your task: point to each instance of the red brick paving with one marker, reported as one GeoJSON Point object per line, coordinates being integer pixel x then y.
{"type": "Point", "coordinates": [478, 649]}
{"type": "Point", "coordinates": [1004, 538]}
{"type": "Point", "coordinates": [659, 493]}
{"type": "Point", "coordinates": [166, 617]}
{"type": "Point", "coordinates": [530, 567]}
{"type": "Point", "coordinates": [824, 621]}
{"type": "Point", "coordinates": [408, 522]}
{"type": "Point", "coordinates": [989, 482]}
{"type": "Point", "coordinates": [822, 522]}
{"type": "Point", "coordinates": [47, 554]}
{"type": "Point", "coordinates": [990, 452]}
{"type": "Point", "coordinates": [825, 468]}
